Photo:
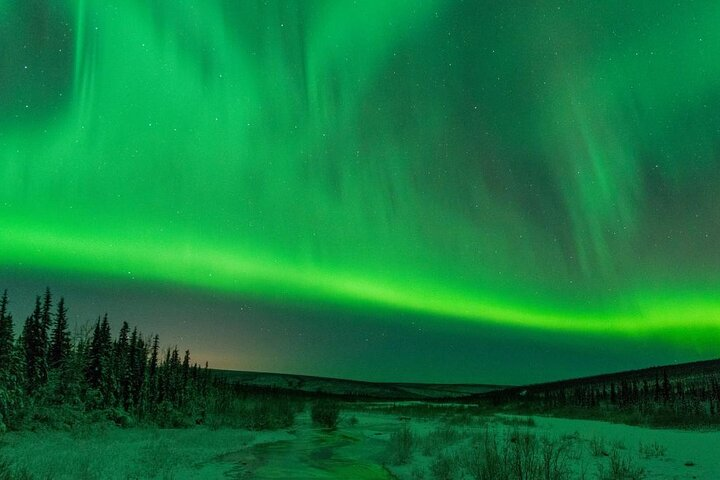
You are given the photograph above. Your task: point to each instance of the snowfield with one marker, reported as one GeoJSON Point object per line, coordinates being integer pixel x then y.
{"type": "Point", "coordinates": [366, 445]}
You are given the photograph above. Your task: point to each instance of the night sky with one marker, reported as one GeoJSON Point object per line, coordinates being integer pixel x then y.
{"type": "Point", "coordinates": [447, 191]}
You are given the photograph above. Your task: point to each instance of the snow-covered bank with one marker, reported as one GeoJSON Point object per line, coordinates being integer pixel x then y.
{"type": "Point", "coordinates": [685, 453]}
{"type": "Point", "coordinates": [581, 449]}
{"type": "Point", "coordinates": [108, 452]}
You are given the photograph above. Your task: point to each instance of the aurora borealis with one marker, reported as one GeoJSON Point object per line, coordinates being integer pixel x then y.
{"type": "Point", "coordinates": [481, 170]}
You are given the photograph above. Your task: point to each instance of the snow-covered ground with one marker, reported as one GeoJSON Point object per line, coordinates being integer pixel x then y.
{"type": "Point", "coordinates": [364, 446]}
{"type": "Point", "coordinates": [685, 454]}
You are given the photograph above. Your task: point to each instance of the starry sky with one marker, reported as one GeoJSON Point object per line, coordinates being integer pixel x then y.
{"type": "Point", "coordinates": [445, 191]}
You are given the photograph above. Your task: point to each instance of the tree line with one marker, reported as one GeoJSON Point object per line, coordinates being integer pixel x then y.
{"type": "Point", "coordinates": [128, 378]}
{"type": "Point", "coordinates": [689, 396]}
{"type": "Point", "coordinates": [676, 394]}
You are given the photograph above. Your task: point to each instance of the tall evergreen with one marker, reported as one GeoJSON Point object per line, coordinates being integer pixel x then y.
{"type": "Point", "coordinates": [185, 378]}
{"type": "Point", "coordinates": [46, 313]}
{"type": "Point", "coordinates": [186, 368]}
{"type": "Point", "coordinates": [60, 345]}
{"type": "Point", "coordinates": [667, 390]}
{"type": "Point", "coordinates": [35, 350]}
{"type": "Point", "coordinates": [11, 366]}
{"type": "Point", "coordinates": [137, 365]}
{"type": "Point", "coordinates": [164, 382]}
{"type": "Point", "coordinates": [98, 367]}
{"type": "Point", "coordinates": [121, 364]}
{"type": "Point", "coordinates": [46, 323]}
{"type": "Point", "coordinates": [93, 369]}
{"type": "Point", "coordinates": [153, 371]}
{"type": "Point", "coordinates": [6, 337]}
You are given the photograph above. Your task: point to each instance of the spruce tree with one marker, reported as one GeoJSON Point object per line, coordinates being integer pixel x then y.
{"type": "Point", "coordinates": [60, 346]}
{"type": "Point", "coordinates": [184, 378]}
{"type": "Point", "coordinates": [6, 338]}
{"type": "Point", "coordinates": [186, 368]}
{"type": "Point", "coordinates": [35, 351]}
{"type": "Point", "coordinates": [93, 370]}
{"type": "Point", "coordinates": [666, 389]}
{"type": "Point", "coordinates": [120, 365]}
{"type": "Point", "coordinates": [164, 381]}
{"type": "Point", "coordinates": [46, 314]}
{"type": "Point", "coordinates": [99, 362]}
{"type": "Point", "coordinates": [174, 385]}
{"type": "Point", "coordinates": [138, 362]}
{"type": "Point", "coordinates": [153, 386]}
{"type": "Point", "coordinates": [11, 369]}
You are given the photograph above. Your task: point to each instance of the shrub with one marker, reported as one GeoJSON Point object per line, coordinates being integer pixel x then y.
{"type": "Point", "coordinates": [165, 416]}
{"type": "Point", "coordinates": [270, 413]}
{"type": "Point", "coordinates": [446, 434]}
{"type": "Point", "coordinates": [267, 412]}
{"type": "Point", "coordinates": [442, 436]}
{"type": "Point", "coordinates": [518, 421]}
{"type": "Point", "coordinates": [487, 460]}
{"type": "Point", "coordinates": [325, 413]}
{"type": "Point", "coordinates": [554, 459]}
{"type": "Point", "coordinates": [519, 455]}
{"type": "Point", "coordinates": [120, 417]}
{"type": "Point", "coordinates": [401, 445]}
{"type": "Point", "coordinates": [621, 468]}
{"type": "Point", "coordinates": [597, 447]}
{"type": "Point", "coordinates": [53, 417]}
{"type": "Point", "coordinates": [652, 450]}
{"type": "Point", "coordinates": [524, 454]}
{"type": "Point", "coordinates": [444, 467]}
{"type": "Point", "coordinates": [463, 418]}
{"type": "Point", "coordinates": [7, 472]}
{"type": "Point", "coordinates": [618, 445]}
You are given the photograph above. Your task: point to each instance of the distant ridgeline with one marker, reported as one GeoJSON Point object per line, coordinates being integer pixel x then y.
{"type": "Point", "coordinates": [687, 393]}
{"type": "Point", "coordinates": [350, 390]}
{"type": "Point", "coordinates": [48, 378]}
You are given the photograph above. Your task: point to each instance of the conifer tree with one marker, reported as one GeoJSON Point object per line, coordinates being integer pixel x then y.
{"type": "Point", "coordinates": [132, 370]}
{"type": "Point", "coordinates": [164, 381]}
{"type": "Point", "coordinates": [186, 368]}
{"type": "Point", "coordinates": [184, 378]}
{"type": "Point", "coordinates": [666, 387]}
{"type": "Point", "coordinates": [46, 316]}
{"type": "Point", "coordinates": [6, 338]}
{"type": "Point", "coordinates": [138, 362]}
{"type": "Point", "coordinates": [93, 370]}
{"type": "Point", "coordinates": [120, 364]}
{"type": "Point", "coordinates": [60, 346]}
{"type": "Point", "coordinates": [153, 371]}
{"type": "Point", "coordinates": [99, 363]}
{"type": "Point", "coordinates": [35, 353]}
{"type": "Point", "coordinates": [11, 365]}
{"type": "Point", "coordinates": [174, 377]}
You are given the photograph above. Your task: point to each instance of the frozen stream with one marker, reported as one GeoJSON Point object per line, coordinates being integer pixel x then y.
{"type": "Point", "coordinates": [314, 453]}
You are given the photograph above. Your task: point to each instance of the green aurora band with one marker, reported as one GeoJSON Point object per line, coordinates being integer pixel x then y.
{"type": "Point", "coordinates": [531, 166]}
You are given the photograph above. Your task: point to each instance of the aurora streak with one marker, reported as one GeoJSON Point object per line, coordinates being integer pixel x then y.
{"type": "Point", "coordinates": [553, 167]}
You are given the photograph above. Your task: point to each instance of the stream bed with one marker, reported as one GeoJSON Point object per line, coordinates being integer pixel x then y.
{"type": "Point", "coordinates": [315, 453]}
